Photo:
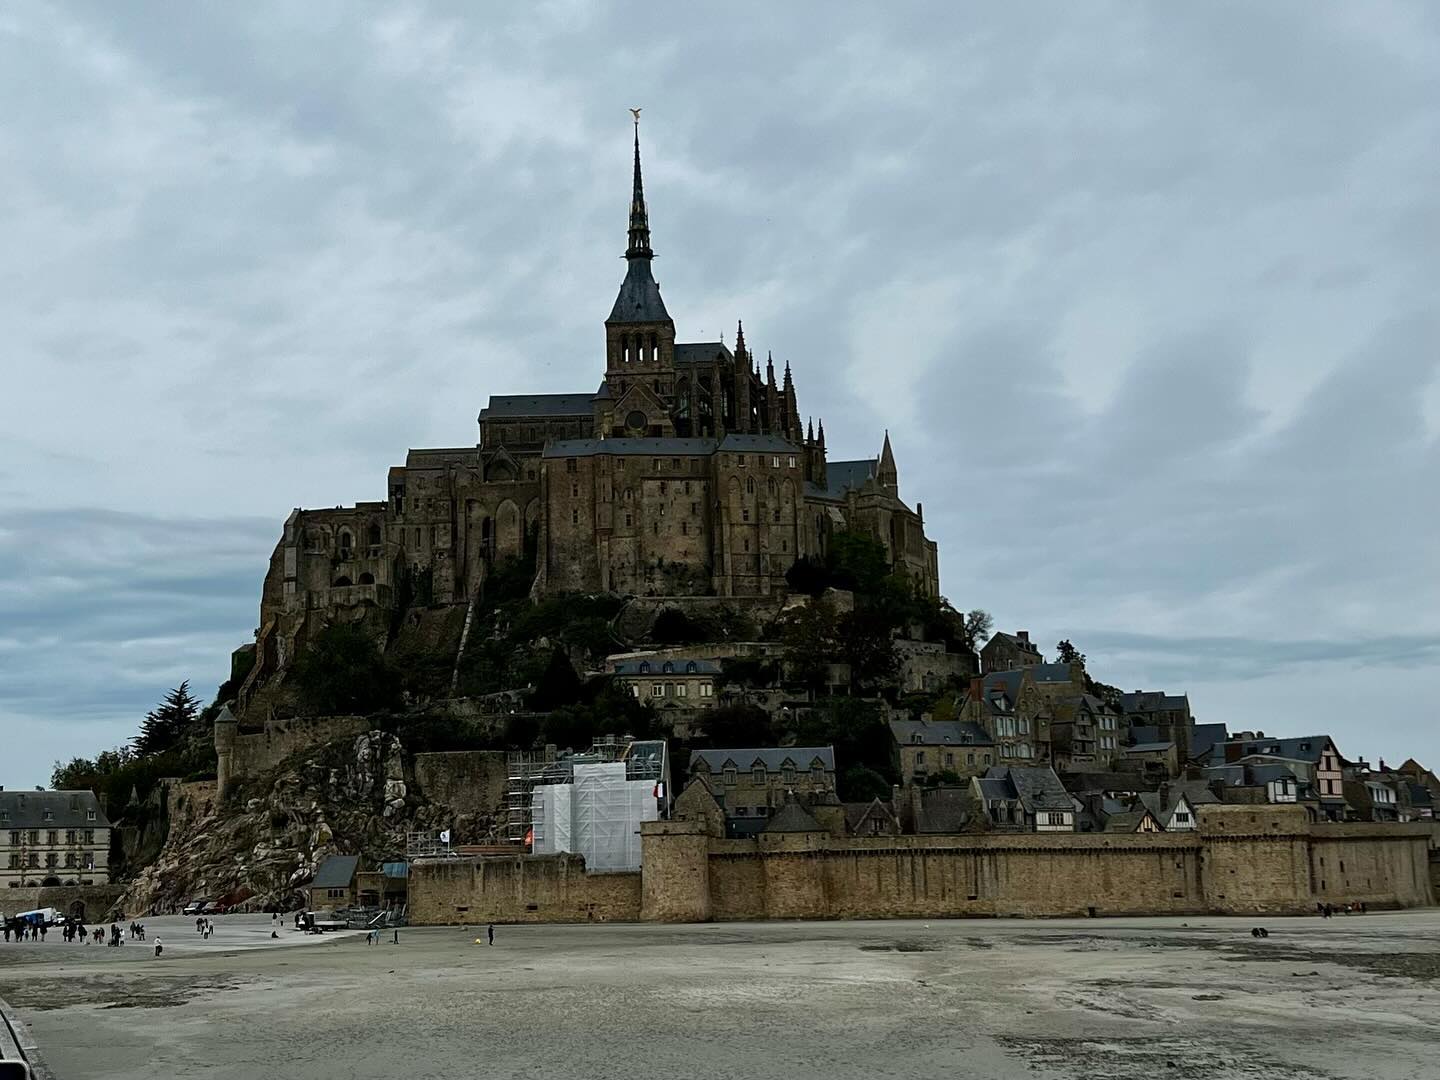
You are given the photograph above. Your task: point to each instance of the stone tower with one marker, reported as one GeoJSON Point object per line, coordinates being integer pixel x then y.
{"type": "Point", "coordinates": [225, 728]}
{"type": "Point", "coordinates": [639, 334]}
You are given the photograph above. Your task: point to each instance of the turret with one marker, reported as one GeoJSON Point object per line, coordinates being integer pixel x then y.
{"type": "Point", "coordinates": [886, 474]}
{"type": "Point", "coordinates": [225, 728]}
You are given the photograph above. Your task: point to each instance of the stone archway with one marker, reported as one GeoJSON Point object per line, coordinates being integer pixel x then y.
{"type": "Point", "coordinates": [77, 910]}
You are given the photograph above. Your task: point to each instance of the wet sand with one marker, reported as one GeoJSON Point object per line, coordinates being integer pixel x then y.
{"type": "Point", "coordinates": [1106, 999]}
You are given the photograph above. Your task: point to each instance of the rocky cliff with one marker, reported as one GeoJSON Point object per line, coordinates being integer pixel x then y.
{"type": "Point", "coordinates": [262, 844]}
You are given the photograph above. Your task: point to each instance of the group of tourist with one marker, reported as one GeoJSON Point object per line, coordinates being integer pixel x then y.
{"type": "Point", "coordinates": [1326, 911]}
{"type": "Point", "coordinates": [71, 929]}
{"type": "Point", "coordinates": [204, 927]}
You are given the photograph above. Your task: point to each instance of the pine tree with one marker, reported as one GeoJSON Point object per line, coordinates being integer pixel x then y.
{"type": "Point", "coordinates": [168, 724]}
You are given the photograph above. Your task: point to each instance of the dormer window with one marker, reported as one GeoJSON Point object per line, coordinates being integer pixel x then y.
{"type": "Point", "coordinates": [917, 739]}
{"type": "Point", "coordinates": [667, 668]}
{"type": "Point", "coordinates": [690, 668]}
{"type": "Point", "coordinates": [644, 667]}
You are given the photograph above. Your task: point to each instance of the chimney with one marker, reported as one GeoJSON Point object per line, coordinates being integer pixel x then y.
{"type": "Point", "coordinates": [1023, 635]}
{"type": "Point", "coordinates": [977, 688]}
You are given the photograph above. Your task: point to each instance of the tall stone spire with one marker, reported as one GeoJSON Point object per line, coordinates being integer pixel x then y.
{"type": "Point", "coordinates": [639, 300]}
{"type": "Point", "coordinates": [739, 338]}
{"type": "Point", "coordinates": [639, 219]}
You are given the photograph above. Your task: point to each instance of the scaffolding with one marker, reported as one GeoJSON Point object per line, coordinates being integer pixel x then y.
{"type": "Point", "coordinates": [590, 802]}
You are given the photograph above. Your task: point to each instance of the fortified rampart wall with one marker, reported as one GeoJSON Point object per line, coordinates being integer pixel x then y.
{"type": "Point", "coordinates": [1244, 859]}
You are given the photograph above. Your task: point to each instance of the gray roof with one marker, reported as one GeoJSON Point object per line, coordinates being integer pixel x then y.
{"type": "Point", "coordinates": [1146, 733]}
{"type": "Point", "coordinates": [336, 872]}
{"type": "Point", "coordinates": [939, 733]}
{"type": "Point", "coordinates": [1050, 673]}
{"type": "Point", "coordinates": [793, 818]}
{"type": "Point", "coordinates": [1125, 821]}
{"type": "Point", "coordinates": [841, 476]}
{"type": "Point", "coordinates": [702, 352]}
{"type": "Point", "coordinates": [1305, 748]}
{"type": "Point", "coordinates": [639, 298]}
{"type": "Point", "coordinates": [1205, 737]}
{"type": "Point", "coordinates": [996, 787]}
{"type": "Point", "coordinates": [657, 666]}
{"type": "Point", "coordinates": [568, 448]}
{"type": "Point", "coordinates": [520, 405]}
{"type": "Point", "coordinates": [772, 757]}
{"type": "Point", "coordinates": [1152, 700]}
{"type": "Point", "coordinates": [766, 443]}
{"type": "Point", "coordinates": [66, 810]}
{"type": "Point", "coordinates": [1149, 747]}
{"type": "Point", "coordinates": [944, 809]}
{"type": "Point", "coordinates": [1039, 788]}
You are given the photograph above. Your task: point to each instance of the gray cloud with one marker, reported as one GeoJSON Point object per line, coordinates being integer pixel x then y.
{"type": "Point", "coordinates": [1144, 296]}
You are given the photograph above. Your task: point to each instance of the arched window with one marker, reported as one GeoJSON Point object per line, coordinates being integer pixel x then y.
{"type": "Point", "coordinates": [347, 541]}
{"type": "Point", "coordinates": [341, 581]}
{"type": "Point", "coordinates": [690, 668]}
{"type": "Point", "coordinates": [375, 535]}
{"type": "Point", "coordinates": [770, 486]}
{"type": "Point", "coordinates": [749, 485]}
{"type": "Point", "coordinates": [654, 349]}
{"type": "Point", "coordinates": [367, 579]}
{"type": "Point", "coordinates": [644, 667]}
{"type": "Point", "coordinates": [668, 668]}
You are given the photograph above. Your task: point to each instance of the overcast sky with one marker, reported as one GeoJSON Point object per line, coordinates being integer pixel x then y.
{"type": "Point", "coordinates": [1145, 294]}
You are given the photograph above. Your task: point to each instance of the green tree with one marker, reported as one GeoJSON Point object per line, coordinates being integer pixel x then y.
{"type": "Point", "coordinates": [865, 642]}
{"type": "Point", "coordinates": [343, 671]}
{"type": "Point", "coordinates": [170, 723]}
{"type": "Point", "coordinates": [809, 637]}
{"type": "Point", "coordinates": [978, 625]}
{"type": "Point", "coordinates": [859, 784]}
{"type": "Point", "coordinates": [1068, 654]}
{"type": "Point", "coordinates": [558, 685]}
{"type": "Point", "coordinates": [673, 627]}
{"type": "Point", "coordinates": [738, 725]}
{"type": "Point", "coordinates": [857, 562]}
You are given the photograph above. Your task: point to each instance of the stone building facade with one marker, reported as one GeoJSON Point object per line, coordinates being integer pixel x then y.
{"type": "Point", "coordinates": [686, 472]}
{"type": "Point", "coordinates": [52, 838]}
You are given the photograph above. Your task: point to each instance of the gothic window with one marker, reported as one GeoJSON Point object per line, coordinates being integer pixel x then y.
{"type": "Point", "coordinates": [749, 486]}
{"type": "Point", "coordinates": [346, 543]}
{"type": "Point", "coordinates": [654, 351]}
{"type": "Point", "coordinates": [770, 486]}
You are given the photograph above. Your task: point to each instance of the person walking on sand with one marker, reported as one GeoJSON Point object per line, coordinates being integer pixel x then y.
{"type": "Point", "coordinates": [491, 931]}
{"type": "Point", "coordinates": [159, 948]}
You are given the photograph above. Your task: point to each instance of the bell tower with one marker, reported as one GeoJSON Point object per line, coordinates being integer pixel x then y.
{"type": "Point", "coordinates": [639, 334]}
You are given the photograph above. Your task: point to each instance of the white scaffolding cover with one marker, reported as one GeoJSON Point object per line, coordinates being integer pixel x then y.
{"type": "Point", "coordinates": [598, 816]}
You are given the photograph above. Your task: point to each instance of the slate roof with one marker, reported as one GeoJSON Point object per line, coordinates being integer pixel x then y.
{"type": "Point", "coordinates": [939, 733]}
{"type": "Point", "coordinates": [1146, 733]}
{"type": "Point", "coordinates": [1205, 737]}
{"type": "Point", "coordinates": [841, 476]}
{"type": "Point", "coordinates": [996, 787]}
{"type": "Point", "coordinates": [568, 448]}
{"type": "Point", "coordinates": [1149, 747]}
{"type": "Point", "coordinates": [793, 817]}
{"type": "Point", "coordinates": [639, 298]}
{"type": "Point", "coordinates": [399, 869]}
{"type": "Point", "coordinates": [772, 757]}
{"type": "Point", "coordinates": [1050, 673]}
{"type": "Point", "coordinates": [765, 443]}
{"type": "Point", "coordinates": [519, 405]}
{"type": "Point", "coordinates": [657, 667]}
{"type": "Point", "coordinates": [944, 809]}
{"type": "Point", "coordinates": [701, 352]}
{"type": "Point", "coordinates": [1039, 788]}
{"type": "Point", "coordinates": [1152, 701]}
{"type": "Point", "coordinates": [67, 810]}
{"type": "Point", "coordinates": [1125, 821]}
{"type": "Point", "coordinates": [857, 812]}
{"type": "Point", "coordinates": [336, 872]}
{"type": "Point", "coordinates": [1305, 748]}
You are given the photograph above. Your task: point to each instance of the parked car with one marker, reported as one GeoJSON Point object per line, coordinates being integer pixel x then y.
{"type": "Point", "coordinates": [194, 907]}
{"type": "Point", "coordinates": [214, 907]}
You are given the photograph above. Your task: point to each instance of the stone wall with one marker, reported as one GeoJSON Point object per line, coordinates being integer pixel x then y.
{"type": "Point", "coordinates": [95, 900]}
{"type": "Point", "coordinates": [256, 753]}
{"type": "Point", "coordinates": [469, 782]}
{"type": "Point", "coordinates": [1242, 860]}
{"type": "Point", "coordinates": [531, 888]}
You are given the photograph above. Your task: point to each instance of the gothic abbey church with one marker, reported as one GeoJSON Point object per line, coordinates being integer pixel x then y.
{"type": "Point", "coordinates": [686, 472]}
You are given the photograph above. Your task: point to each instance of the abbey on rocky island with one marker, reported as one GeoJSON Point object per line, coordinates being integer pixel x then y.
{"type": "Point", "coordinates": [687, 472]}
